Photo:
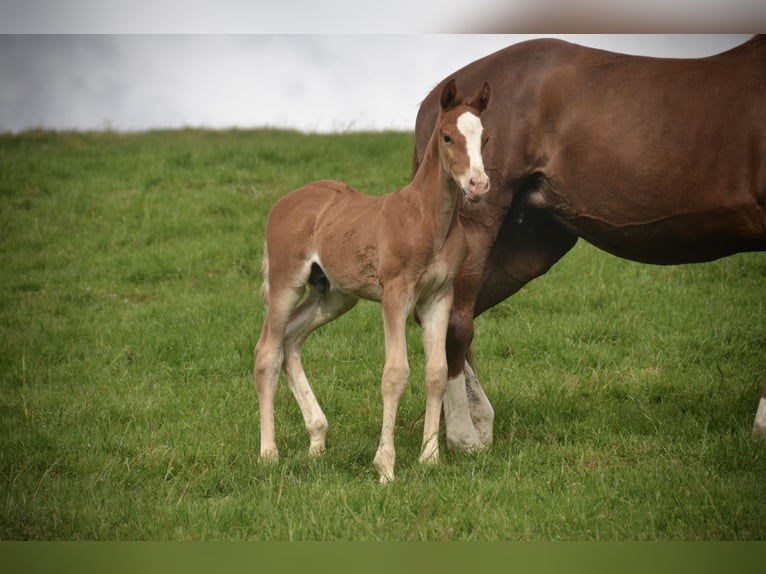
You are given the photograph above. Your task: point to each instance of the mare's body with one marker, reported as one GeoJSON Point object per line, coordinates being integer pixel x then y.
{"type": "Point", "coordinates": [655, 160]}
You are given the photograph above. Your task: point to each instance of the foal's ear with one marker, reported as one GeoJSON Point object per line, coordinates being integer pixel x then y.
{"type": "Point", "coordinates": [481, 100]}
{"type": "Point", "coordinates": [449, 95]}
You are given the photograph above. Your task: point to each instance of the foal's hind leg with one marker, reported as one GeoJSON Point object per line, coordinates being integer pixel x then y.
{"type": "Point", "coordinates": [268, 357]}
{"type": "Point", "coordinates": [314, 312]}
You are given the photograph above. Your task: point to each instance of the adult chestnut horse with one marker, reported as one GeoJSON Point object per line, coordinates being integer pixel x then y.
{"type": "Point", "coordinates": [655, 160]}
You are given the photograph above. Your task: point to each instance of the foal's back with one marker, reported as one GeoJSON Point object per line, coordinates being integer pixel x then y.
{"type": "Point", "coordinates": [333, 226]}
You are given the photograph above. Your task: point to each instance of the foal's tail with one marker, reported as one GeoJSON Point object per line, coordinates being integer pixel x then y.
{"type": "Point", "coordinates": [265, 275]}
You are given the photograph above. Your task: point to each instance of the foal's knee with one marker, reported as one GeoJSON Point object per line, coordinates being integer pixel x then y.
{"type": "Point", "coordinates": [436, 378]}
{"type": "Point", "coordinates": [266, 368]}
{"type": "Point", "coordinates": [395, 378]}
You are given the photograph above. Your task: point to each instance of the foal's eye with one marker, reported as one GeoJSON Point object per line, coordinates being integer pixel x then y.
{"type": "Point", "coordinates": [447, 138]}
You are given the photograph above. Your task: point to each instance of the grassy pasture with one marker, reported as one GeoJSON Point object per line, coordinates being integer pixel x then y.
{"type": "Point", "coordinates": [129, 271]}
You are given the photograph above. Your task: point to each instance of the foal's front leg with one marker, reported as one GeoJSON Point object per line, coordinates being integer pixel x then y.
{"type": "Point", "coordinates": [396, 308]}
{"type": "Point", "coordinates": [434, 316]}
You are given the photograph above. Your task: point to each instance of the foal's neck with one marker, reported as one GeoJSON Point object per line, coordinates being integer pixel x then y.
{"type": "Point", "coordinates": [434, 190]}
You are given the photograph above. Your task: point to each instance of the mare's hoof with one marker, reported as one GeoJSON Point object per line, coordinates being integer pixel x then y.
{"type": "Point", "coordinates": [466, 444]}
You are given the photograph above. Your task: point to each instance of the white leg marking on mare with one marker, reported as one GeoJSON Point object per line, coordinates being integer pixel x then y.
{"type": "Point", "coordinates": [759, 425]}
{"type": "Point", "coordinates": [482, 413]}
{"type": "Point", "coordinates": [461, 434]}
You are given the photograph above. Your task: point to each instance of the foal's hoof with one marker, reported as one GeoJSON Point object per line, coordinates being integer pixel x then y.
{"type": "Point", "coordinates": [316, 450]}
{"type": "Point", "coordinates": [269, 456]}
{"type": "Point", "coordinates": [384, 464]}
{"type": "Point", "coordinates": [429, 457]}
{"type": "Point", "coordinates": [386, 478]}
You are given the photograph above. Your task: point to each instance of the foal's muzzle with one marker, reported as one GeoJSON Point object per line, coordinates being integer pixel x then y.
{"type": "Point", "coordinates": [476, 188]}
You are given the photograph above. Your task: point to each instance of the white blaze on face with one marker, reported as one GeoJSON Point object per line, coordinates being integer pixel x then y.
{"type": "Point", "coordinates": [470, 126]}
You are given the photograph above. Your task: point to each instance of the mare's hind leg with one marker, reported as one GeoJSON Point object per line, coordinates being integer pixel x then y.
{"type": "Point", "coordinates": [759, 424]}
{"type": "Point", "coordinates": [479, 407]}
{"type": "Point", "coordinates": [314, 312]}
{"type": "Point", "coordinates": [268, 357]}
{"type": "Point", "coordinates": [461, 431]}
{"type": "Point", "coordinates": [434, 317]}
{"type": "Point", "coordinates": [528, 244]}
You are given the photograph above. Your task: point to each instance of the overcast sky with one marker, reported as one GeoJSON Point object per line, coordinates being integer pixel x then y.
{"type": "Point", "coordinates": [320, 82]}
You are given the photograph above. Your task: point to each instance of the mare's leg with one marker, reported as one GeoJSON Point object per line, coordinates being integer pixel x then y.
{"type": "Point", "coordinates": [315, 311]}
{"type": "Point", "coordinates": [397, 306]}
{"type": "Point", "coordinates": [268, 357]}
{"type": "Point", "coordinates": [759, 424]}
{"type": "Point", "coordinates": [479, 407]}
{"type": "Point", "coordinates": [461, 432]}
{"type": "Point", "coordinates": [525, 248]}
{"type": "Point", "coordinates": [434, 317]}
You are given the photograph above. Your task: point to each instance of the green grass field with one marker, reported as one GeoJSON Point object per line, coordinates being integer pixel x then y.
{"type": "Point", "coordinates": [624, 393]}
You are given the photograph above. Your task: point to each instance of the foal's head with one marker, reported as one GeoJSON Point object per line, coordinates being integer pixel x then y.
{"type": "Point", "coordinates": [462, 139]}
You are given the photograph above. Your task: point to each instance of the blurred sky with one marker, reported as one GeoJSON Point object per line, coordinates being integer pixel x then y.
{"type": "Point", "coordinates": [123, 66]}
{"type": "Point", "coordinates": [307, 82]}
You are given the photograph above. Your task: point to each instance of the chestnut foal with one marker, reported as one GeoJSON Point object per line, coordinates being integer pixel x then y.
{"type": "Point", "coordinates": [402, 249]}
